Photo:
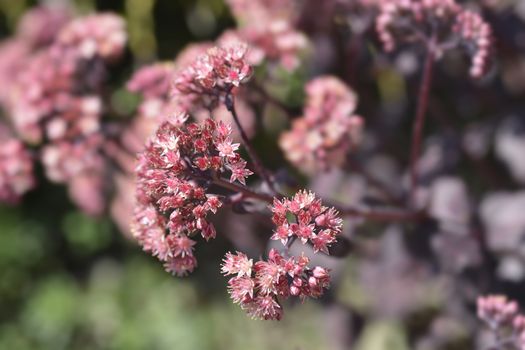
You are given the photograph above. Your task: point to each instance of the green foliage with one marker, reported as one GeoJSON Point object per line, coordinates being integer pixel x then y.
{"type": "Point", "coordinates": [383, 335]}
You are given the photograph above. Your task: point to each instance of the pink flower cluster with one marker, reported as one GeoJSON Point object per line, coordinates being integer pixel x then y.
{"type": "Point", "coordinates": [258, 287]}
{"type": "Point", "coordinates": [64, 96]}
{"type": "Point", "coordinates": [210, 77]}
{"type": "Point", "coordinates": [153, 84]}
{"type": "Point", "coordinates": [477, 36]}
{"type": "Point", "coordinates": [328, 130]}
{"type": "Point", "coordinates": [55, 97]}
{"type": "Point", "coordinates": [406, 15]}
{"type": "Point", "coordinates": [249, 12]}
{"type": "Point", "coordinates": [99, 35]}
{"type": "Point", "coordinates": [16, 170]}
{"type": "Point", "coordinates": [267, 26]}
{"type": "Point", "coordinates": [276, 41]}
{"type": "Point", "coordinates": [173, 189]}
{"type": "Point", "coordinates": [39, 26]}
{"type": "Point", "coordinates": [502, 316]}
{"type": "Point", "coordinates": [304, 217]}
{"type": "Point", "coordinates": [409, 20]}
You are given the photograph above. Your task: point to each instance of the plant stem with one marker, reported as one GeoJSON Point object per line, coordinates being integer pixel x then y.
{"type": "Point", "coordinates": [245, 191]}
{"type": "Point", "coordinates": [259, 168]}
{"type": "Point", "coordinates": [419, 121]}
{"type": "Point", "coordinates": [383, 214]}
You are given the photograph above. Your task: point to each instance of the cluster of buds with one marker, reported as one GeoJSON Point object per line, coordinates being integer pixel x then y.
{"type": "Point", "coordinates": [305, 218]}
{"type": "Point", "coordinates": [16, 170]}
{"type": "Point", "coordinates": [173, 187]}
{"type": "Point", "coordinates": [503, 318]}
{"type": "Point", "coordinates": [211, 77]}
{"type": "Point", "coordinates": [258, 287]}
{"type": "Point", "coordinates": [476, 35]}
{"type": "Point", "coordinates": [153, 84]}
{"type": "Point", "coordinates": [444, 21]}
{"type": "Point", "coordinates": [327, 131]}
{"type": "Point", "coordinates": [59, 107]}
{"type": "Point", "coordinates": [398, 19]}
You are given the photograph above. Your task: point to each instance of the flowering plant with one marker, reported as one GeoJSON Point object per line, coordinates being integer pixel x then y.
{"type": "Point", "coordinates": [296, 145]}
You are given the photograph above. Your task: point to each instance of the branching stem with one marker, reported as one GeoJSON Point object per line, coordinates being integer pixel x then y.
{"type": "Point", "coordinates": [419, 120]}
{"type": "Point", "coordinates": [259, 168]}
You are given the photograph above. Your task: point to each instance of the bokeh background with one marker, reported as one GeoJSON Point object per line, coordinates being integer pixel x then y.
{"type": "Point", "coordinates": [71, 281]}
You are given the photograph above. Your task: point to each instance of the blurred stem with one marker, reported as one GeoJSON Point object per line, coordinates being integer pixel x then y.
{"type": "Point", "coordinates": [259, 168]}
{"type": "Point", "coordinates": [369, 213]}
{"type": "Point", "coordinates": [383, 214]}
{"type": "Point", "coordinates": [378, 214]}
{"type": "Point", "coordinates": [245, 191]}
{"type": "Point", "coordinates": [419, 120]}
{"type": "Point", "coordinates": [502, 343]}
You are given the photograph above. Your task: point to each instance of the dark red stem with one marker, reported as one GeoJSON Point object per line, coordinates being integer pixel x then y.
{"type": "Point", "coordinates": [419, 121]}
{"type": "Point", "coordinates": [259, 168]}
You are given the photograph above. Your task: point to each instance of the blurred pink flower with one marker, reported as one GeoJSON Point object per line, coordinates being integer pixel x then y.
{"type": "Point", "coordinates": [496, 310]}
{"type": "Point", "coordinates": [40, 25]}
{"type": "Point", "coordinates": [321, 138]}
{"type": "Point", "coordinates": [409, 20]}
{"type": "Point", "coordinates": [16, 170]}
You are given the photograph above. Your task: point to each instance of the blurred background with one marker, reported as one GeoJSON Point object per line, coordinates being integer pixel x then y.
{"type": "Point", "coordinates": [72, 281]}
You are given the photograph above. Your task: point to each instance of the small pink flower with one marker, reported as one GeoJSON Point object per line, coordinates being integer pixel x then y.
{"type": "Point", "coordinates": [496, 310]}
{"type": "Point", "coordinates": [241, 289]}
{"type": "Point", "coordinates": [238, 264]}
{"type": "Point", "coordinates": [227, 148]}
{"type": "Point", "coordinates": [239, 172]}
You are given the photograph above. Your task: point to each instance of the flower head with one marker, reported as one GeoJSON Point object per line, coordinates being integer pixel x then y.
{"type": "Point", "coordinates": [328, 130]}
{"type": "Point", "coordinates": [443, 20]}
{"type": "Point", "coordinates": [257, 290]}
{"type": "Point", "coordinates": [173, 197]}
{"type": "Point", "coordinates": [496, 310]}
{"type": "Point", "coordinates": [210, 76]}
{"type": "Point", "coordinates": [304, 217]}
